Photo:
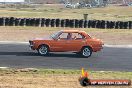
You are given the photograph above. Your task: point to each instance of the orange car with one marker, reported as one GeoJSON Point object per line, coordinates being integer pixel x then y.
{"type": "Point", "coordinates": [67, 40]}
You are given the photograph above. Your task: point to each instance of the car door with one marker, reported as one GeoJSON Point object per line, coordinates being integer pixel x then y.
{"type": "Point", "coordinates": [60, 44]}
{"type": "Point", "coordinates": [76, 43]}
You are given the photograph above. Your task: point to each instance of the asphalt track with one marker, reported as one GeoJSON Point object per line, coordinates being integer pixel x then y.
{"type": "Point", "coordinates": [109, 59]}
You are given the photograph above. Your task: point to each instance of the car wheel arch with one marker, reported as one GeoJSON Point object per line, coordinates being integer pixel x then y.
{"type": "Point", "coordinates": [43, 45]}
{"type": "Point", "coordinates": [87, 46]}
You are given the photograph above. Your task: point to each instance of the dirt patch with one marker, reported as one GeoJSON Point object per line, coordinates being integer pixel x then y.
{"type": "Point", "coordinates": [22, 33]}
{"type": "Point", "coordinates": [45, 81]}
{"type": "Point", "coordinates": [25, 33]}
{"type": "Point", "coordinates": [113, 38]}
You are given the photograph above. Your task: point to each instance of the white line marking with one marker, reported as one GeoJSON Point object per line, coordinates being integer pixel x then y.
{"type": "Point", "coordinates": [118, 46]}
{"type": "Point", "coordinates": [13, 42]}
{"type": "Point", "coordinates": [26, 43]}
{"type": "Point", "coordinates": [4, 67]}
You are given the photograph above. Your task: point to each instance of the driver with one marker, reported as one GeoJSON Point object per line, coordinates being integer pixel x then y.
{"type": "Point", "coordinates": [69, 36]}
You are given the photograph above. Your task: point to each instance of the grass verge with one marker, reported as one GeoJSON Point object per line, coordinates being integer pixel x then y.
{"type": "Point", "coordinates": [58, 11]}
{"type": "Point", "coordinates": [53, 78]}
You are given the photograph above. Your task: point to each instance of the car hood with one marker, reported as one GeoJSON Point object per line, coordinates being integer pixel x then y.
{"type": "Point", "coordinates": [43, 38]}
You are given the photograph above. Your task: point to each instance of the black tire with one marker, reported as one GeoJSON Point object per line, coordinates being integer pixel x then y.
{"type": "Point", "coordinates": [86, 52]}
{"type": "Point", "coordinates": [43, 50]}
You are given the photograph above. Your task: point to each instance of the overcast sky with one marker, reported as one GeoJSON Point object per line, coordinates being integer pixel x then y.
{"type": "Point", "coordinates": [11, 0]}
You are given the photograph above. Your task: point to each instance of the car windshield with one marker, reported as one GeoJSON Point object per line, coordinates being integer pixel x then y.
{"type": "Point", "coordinates": [89, 35]}
{"type": "Point", "coordinates": [55, 35]}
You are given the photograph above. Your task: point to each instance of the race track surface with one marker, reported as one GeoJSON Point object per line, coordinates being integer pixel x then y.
{"type": "Point", "coordinates": [109, 59]}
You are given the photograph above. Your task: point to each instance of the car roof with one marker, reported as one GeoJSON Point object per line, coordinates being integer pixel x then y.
{"type": "Point", "coordinates": [72, 31]}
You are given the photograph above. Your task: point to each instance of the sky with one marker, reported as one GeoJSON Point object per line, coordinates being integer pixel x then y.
{"type": "Point", "coordinates": [11, 0]}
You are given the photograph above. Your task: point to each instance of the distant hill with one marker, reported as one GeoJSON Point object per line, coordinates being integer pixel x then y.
{"type": "Point", "coordinates": [58, 1]}
{"type": "Point", "coordinates": [53, 1]}
{"type": "Point", "coordinates": [120, 1]}
{"type": "Point", "coordinates": [44, 1]}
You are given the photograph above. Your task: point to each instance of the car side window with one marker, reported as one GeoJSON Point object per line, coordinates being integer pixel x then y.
{"type": "Point", "coordinates": [77, 36]}
{"type": "Point", "coordinates": [63, 36]}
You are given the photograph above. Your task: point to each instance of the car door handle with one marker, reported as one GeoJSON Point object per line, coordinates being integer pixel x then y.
{"type": "Point", "coordinates": [68, 42]}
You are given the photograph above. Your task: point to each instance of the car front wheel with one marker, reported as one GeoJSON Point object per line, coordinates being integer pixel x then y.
{"type": "Point", "coordinates": [43, 50]}
{"type": "Point", "coordinates": [86, 52]}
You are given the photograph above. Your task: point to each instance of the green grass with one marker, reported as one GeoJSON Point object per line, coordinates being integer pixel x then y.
{"type": "Point", "coordinates": [58, 11]}
{"type": "Point", "coordinates": [94, 74]}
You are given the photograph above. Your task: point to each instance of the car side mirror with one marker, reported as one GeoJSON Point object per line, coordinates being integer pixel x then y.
{"type": "Point", "coordinates": [84, 38]}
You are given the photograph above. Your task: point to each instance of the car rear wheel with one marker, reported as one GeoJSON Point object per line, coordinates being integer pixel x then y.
{"type": "Point", "coordinates": [43, 50]}
{"type": "Point", "coordinates": [86, 52]}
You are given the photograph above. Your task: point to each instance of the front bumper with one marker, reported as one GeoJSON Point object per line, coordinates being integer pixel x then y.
{"type": "Point", "coordinates": [31, 45]}
{"type": "Point", "coordinates": [98, 48]}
